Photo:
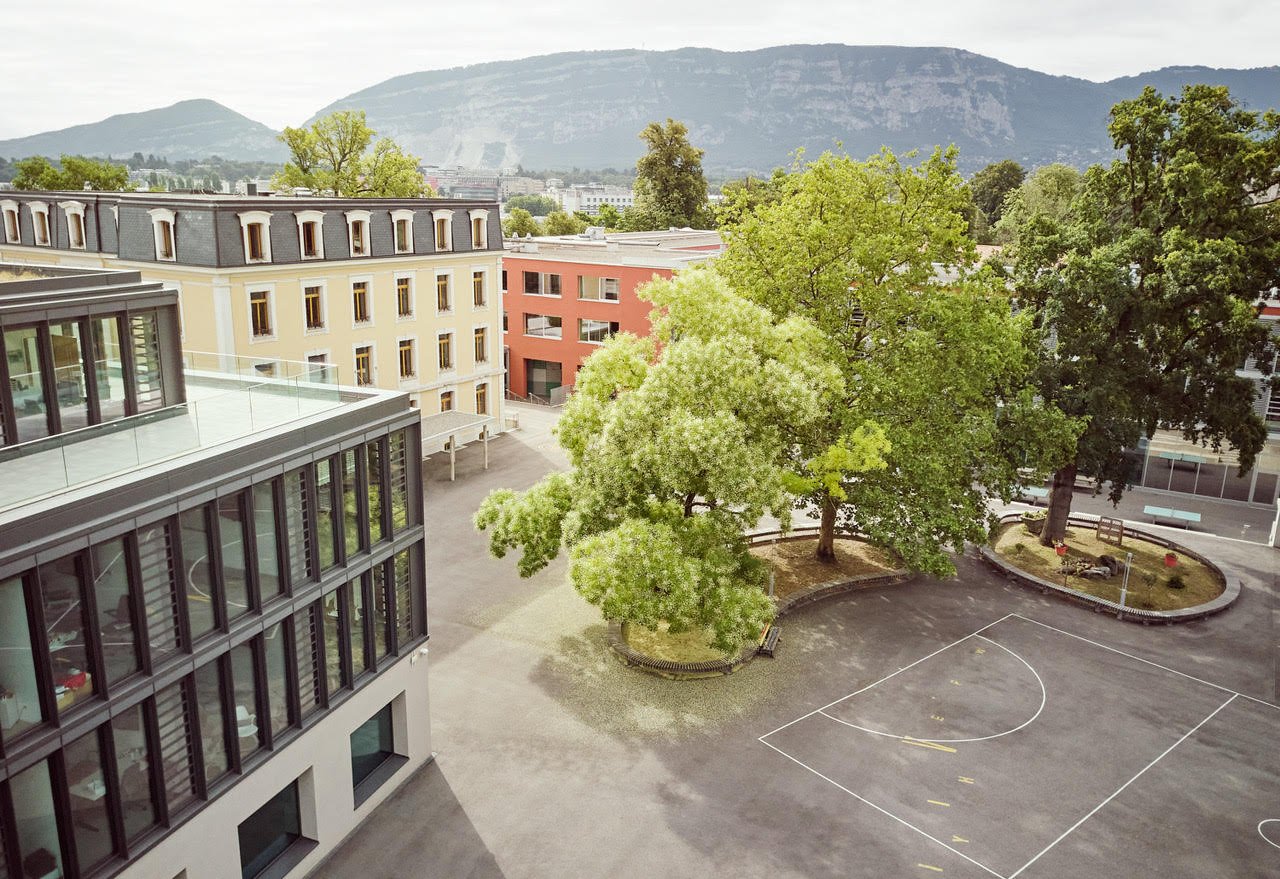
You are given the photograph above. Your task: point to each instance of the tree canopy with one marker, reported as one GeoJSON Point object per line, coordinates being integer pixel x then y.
{"type": "Point", "coordinates": [537, 205]}
{"type": "Point", "coordinates": [1048, 190]}
{"type": "Point", "coordinates": [989, 188]}
{"type": "Point", "coordinates": [334, 155]}
{"type": "Point", "coordinates": [560, 223]}
{"type": "Point", "coordinates": [701, 414]}
{"type": "Point", "coordinates": [520, 223]}
{"type": "Point", "coordinates": [875, 254]}
{"type": "Point", "coordinates": [1148, 289]}
{"type": "Point", "coordinates": [670, 187]}
{"type": "Point", "coordinates": [71, 173]}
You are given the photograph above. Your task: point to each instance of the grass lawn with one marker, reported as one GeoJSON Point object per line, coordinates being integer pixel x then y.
{"type": "Point", "coordinates": [795, 565]}
{"type": "Point", "coordinates": [688, 646]}
{"type": "Point", "coordinates": [1148, 580]}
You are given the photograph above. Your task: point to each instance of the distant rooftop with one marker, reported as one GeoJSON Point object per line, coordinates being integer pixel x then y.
{"type": "Point", "coordinates": [664, 248]}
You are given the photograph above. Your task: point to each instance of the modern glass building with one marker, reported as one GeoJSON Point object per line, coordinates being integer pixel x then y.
{"type": "Point", "coordinates": [212, 603]}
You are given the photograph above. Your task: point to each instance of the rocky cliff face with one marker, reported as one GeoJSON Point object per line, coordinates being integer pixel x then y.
{"type": "Point", "coordinates": [750, 110]}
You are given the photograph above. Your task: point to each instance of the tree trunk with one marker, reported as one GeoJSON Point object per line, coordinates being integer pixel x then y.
{"type": "Point", "coordinates": [827, 533]}
{"type": "Point", "coordinates": [1055, 525]}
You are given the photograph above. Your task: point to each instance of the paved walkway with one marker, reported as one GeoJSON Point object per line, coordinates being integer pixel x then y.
{"type": "Point", "coordinates": [554, 760]}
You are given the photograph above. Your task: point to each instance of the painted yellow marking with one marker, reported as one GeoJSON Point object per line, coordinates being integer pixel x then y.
{"type": "Point", "coordinates": [930, 867]}
{"type": "Point", "coordinates": [955, 838]}
{"type": "Point", "coordinates": [940, 803]}
{"type": "Point", "coordinates": [934, 745]}
{"type": "Point", "coordinates": [964, 779]}
{"type": "Point", "coordinates": [954, 681]}
{"type": "Point", "coordinates": [980, 650]}
{"type": "Point", "coordinates": [937, 717]}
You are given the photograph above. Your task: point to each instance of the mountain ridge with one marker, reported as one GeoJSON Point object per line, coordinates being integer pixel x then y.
{"type": "Point", "coordinates": [749, 110]}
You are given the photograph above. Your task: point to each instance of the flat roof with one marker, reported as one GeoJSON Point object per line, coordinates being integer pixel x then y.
{"type": "Point", "coordinates": [223, 409]}
{"type": "Point", "coordinates": [259, 202]}
{"type": "Point", "coordinates": [672, 249]}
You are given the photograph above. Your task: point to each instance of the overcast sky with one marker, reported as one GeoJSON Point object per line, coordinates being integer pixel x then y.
{"type": "Point", "coordinates": [278, 61]}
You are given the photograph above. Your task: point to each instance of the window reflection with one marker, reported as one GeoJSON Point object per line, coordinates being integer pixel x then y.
{"type": "Point", "coordinates": [108, 367]}
{"type": "Point", "coordinates": [86, 782]}
{"type": "Point", "coordinates": [404, 599]}
{"type": "Point", "coordinates": [65, 627]}
{"type": "Point", "coordinates": [213, 735]}
{"type": "Point", "coordinates": [26, 383]}
{"type": "Point", "coordinates": [377, 517]}
{"type": "Point", "coordinates": [399, 482]}
{"type": "Point", "coordinates": [199, 571]}
{"type": "Point", "coordinates": [231, 533]}
{"type": "Point", "coordinates": [174, 718]}
{"type": "Point", "coordinates": [326, 535]}
{"type": "Point", "coordinates": [296, 502]}
{"type": "Point", "coordinates": [277, 655]}
{"type": "Point", "coordinates": [67, 349]}
{"type": "Point", "coordinates": [19, 697]}
{"type": "Point", "coordinates": [381, 615]}
{"type": "Point", "coordinates": [355, 625]}
{"type": "Point", "coordinates": [110, 565]}
{"type": "Point", "coordinates": [135, 767]}
{"type": "Point", "coordinates": [331, 613]}
{"type": "Point", "coordinates": [159, 588]}
{"type": "Point", "coordinates": [307, 646]}
{"type": "Point", "coordinates": [264, 529]}
{"type": "Point", "coordinates": [244, 680]}
{"type": "Point", "coordinates": [145, 333]}
{"type": "Point", "coordinates": [350, 503]}
{"type": "Point", "coordinates": [35, 823]}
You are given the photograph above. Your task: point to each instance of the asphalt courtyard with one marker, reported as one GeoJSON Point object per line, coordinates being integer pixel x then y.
{"type": "Point", "coordinates": [962, 728]}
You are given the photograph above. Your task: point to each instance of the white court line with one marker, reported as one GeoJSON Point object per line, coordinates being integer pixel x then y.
{"type": "Point", "coordinates": [1044, 697]}
{"type": "Point", "coordinates": [885, 678]}
{"type": "Point", "coordinates": [1120, 789]}
{"type": "Point", "coordinates": [1149, 662]}
{"type": "Point", "coordinates": [1263, 835]}
{"type": "Point", "coordinates": [883, 811]}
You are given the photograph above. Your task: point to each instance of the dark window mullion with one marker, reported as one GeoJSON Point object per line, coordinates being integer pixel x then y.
{"type": "Point", "coordinates": [249, 540]}
{"type": "Point", "coordinates": [110, 771]}
{"type": "Point", "coordinates": [230, 726]}
{"type": "Point", "coordinates": [311, 511]}
{"type": "Point", "coordinates": [137, 602]}
{"type": "Point", "coordinates": [155, 760]}
{"type": "Point", "coordinates": [370, 631]}
{"type": "Point", "coordinates": [48, 377]}
{"type": "Point", "coordinates": [213, 545]}
{"type": "Point", "coordinates": [362, 495]}
{"type": "Point", "coordinates": [128, 368]}
{"type": "Point", "coordinates": [89, 621]}
{"type": "Point", "coordinates": [9, 833]}
{"type": "Point", "coordinates": [291, 673]}
{"type": "Point", "coordinates": [40, 646]}
{"type": "Point", "coordinates": [10, 426]}
{"type": "Point", "coordinates": [63, 818]}
{"type": "Point", "coordinates": [88, 354]}
{"type": "Point", "coordinates": [195, 740]}
{"type": "Point", "coordinates": [345, 610]}
{"type": "Point", "coordinates": [261, 700]}
{"type": "Point", "coordinates": [179, 582]}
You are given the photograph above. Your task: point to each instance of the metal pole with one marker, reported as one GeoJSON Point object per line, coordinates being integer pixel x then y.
{"type": "Point", "coordinates": [1124, 586]}
{"type": "Point", "coordinates": [453, 458]}
{"type": "Point", "coordinates": [485, 435]}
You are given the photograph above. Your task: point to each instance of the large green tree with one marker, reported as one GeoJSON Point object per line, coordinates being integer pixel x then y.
{"type": "Point", "coordinates": [1148, 291]}
{"type": "Point", "coordinates": [677, 443]}
{"type": "Point", "coordinates": [520, 224]}
{"type": "Point", "coordinates": [875, 254]}
{"type": "Point", "coordinates": [560, 223]}
{"type": "Point", "coordinates": [989, 188]}
{"type": "Point", "coordinates": [1048, 190]}
{"type": "Point", "coordinates": [537, 205]}
{"type": "Point", "coordinates": [334, 155]}
{"type": "Point", "coordinates": [72, 173]}
{"type": "Point", "coordinates": [670, 187]}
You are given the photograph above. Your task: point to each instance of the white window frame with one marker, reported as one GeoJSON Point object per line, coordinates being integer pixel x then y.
{"type": "Point", "coordinates": [39, 208]}
{"type": "Point", "coordinates": [323, 284]}
{"type": "Point", "coordinates": [447, 216]}
{"type": "Point", "coordinates": [75, 209]}
{"type": "Point", "coordinates": [599, 279]}
{"type": "Point", "coordinates": [453, 352]}
{"type": "Point", "coordinates": [396, 216]}
{"type": "Point", "coordinates": [164, 215]}
{"type": "Point", "coordinates": [373, 363]}
{"type": "Point", "coordinates": [412, 278]}
{"type": "Point", "coordinates": [484, 272]}
{"type": "Point", "coordinates": [435, 291]}
{"type": "Point", "coordinates": [417, 372]}
{"type": "Point", "coordinates": [247, 219]}
{"type": "Point", "coordinates": [525, 328]}
{"type": "Point", "coordinates": [581, 328]}
{"type": "Point", "coordinates": [304, 217]}
{"type": "Point", "coordinates": [354, 217]}
{"type": "Point", "coordinates": [488, 399]}
{"type": "Point", "coordinates": [270, 290]}
{"type": "Point", "coordinates": [9, 207]}
{"type": "Point", "coordinates": [352, 280]}
{"type": "Point", "coordinates": [483, 216]}
{"type": "Point", "coordinates": [542, 276]}
{"type": "Point", "coordinates": [488, 343]}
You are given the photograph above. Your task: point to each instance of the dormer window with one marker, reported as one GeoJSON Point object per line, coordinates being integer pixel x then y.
{"type": "Point", "coordinates": [310, 234]}
{"type": "Point", "coordinates": [358, 232]}
{"type": "Point", "coordinates": [162, 231]}
{"type": "Point", "coordinates": [444, 230]}
{"type": "Point", "coordinates": [402, 223]}
{"type": "Point", "coordinates": [75, 223]}
{"type": "Point", "coordinates": [479, 230]}
{"type": "Point", "coordinates": [255, 229]}
{"type": "Point", "coordinates": [12, 235]}
{"type": "Point", "coordinates": [40, 222]}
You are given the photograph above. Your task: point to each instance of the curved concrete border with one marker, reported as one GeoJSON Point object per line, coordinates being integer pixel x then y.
{"type": "Point", "coordinates": [716, 667]}
{"type": "Point", "coordinates": [1101, 605]}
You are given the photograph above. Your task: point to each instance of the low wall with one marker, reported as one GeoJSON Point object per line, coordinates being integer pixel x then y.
{"type": "Point", "coordinates": [1101, 605]}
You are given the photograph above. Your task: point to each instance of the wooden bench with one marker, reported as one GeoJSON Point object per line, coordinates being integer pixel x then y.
{"type": "Point", "coordinates": [1182, 517]}
{"type": "Point", "coordinates": [769, 640]}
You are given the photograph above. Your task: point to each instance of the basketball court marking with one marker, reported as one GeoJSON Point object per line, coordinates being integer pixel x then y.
{"type": "Point", "coordinates": [1232, 696]}
{"type": "Point", "coordinates": [1263, 834]}
{"type": "Point", "coordinates": [1044, 697]}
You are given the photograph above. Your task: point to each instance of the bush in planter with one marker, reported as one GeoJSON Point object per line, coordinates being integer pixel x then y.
{"type": "Point", "coordinates": [1034, 520]}
{"type": "Point", "coordinates": [1176, 582]}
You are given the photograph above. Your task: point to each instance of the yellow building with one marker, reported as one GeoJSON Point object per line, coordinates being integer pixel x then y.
{"type": "Point", "coordinates": [401, 294]}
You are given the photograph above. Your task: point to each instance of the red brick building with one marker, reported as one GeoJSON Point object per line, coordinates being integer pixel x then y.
{"type": "Point", "coordinates": [563, 296]}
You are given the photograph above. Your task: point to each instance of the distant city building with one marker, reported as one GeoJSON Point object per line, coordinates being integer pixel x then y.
{"type": "Point", "coordinates": [520, 186]}
{"type": "Point", "coordinates": [590, 197]}
{"type": "Point", "coordinates": [400, 294]}
{"type": "Point", "coordinates": [463, 183]}
{"type": "Point", "coordinates": [566, 295]}
{"type": "Point", "coordinates": [212, 610]}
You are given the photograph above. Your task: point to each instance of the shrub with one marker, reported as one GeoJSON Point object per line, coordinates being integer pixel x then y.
{"type": "Point", "coordinates": [1176, 582]}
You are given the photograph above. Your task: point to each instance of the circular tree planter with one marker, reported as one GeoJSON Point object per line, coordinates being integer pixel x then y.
{"type": "Point", "coordinates": [1230, 591]}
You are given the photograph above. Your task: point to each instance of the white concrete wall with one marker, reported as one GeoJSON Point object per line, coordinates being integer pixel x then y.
{"type": "Point", "coordinates": [208, 847]}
